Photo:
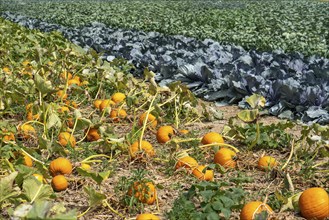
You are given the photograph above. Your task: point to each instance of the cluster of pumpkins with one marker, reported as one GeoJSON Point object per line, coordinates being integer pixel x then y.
{"type": "Point", "coordinates": [313, 202]}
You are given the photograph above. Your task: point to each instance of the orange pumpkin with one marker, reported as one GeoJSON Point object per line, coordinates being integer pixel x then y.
{"type": "Point", "coordinates": [60, 166]}
{"type": "Point", "coordinates": [105, 103]}
{"type": "Point", "coordinates": [117, 115]}
{"type": "Point", "coordinates": [184, 131]}
{"type": "Point", "coordinates": [93, 135]}
{"type": "Point", "coordinates": [84, 83]}
{"type": "Point", "coordinates": [97, 103]}
{"type": "Point", "coordinates": [186, 162]}
{"type": "Point", "coordinates": [145, 147]}
{"type": "Point", "coordinates": [29, 106]}
{"type": "Point", "coordinates": [147, 216]}
{"type": "Point", "coordinates": [70, 122]}
{"type": "Point", "coordinates": [61, 94]}
{"type": "Point", "coordinates": [71, 104]}
{"type": "Point", "coordinates": [314, 204]}
{"type": "Point", "coordinates": [211, 138]}
{"type": "Point", "coordinates": [63, 109]}
{"type": "Point", "coordinates": [118, 97]}
{"type": "Point", "coordinates": [164, 134]}
{"type": "Point", "coordinates": [59, 183]}
{"type": "Point", "coordinates": [208, 175]}
{"type": "Point", "coordinates": [65, 138]}
{"type": "Point", "coordinates": [151, 120]}
{"type": "Point", "coordinates": [7, 136]}
{"type": "Point", "coordinates": [74, 81]}
{"type": "Point", "coordinates": [225, 157]}
{"type": "Point", "coordinates": [6, 70]}
{"type": "Point", "coordinates": [267, 163]}
{"type": "Point", "coordinates": [66, 75]}
{"type": "Point", "coordinates": [31, 117]}
{"type": "Point", "coordinates": [145, 192]}
{"type": "Point", "coordinates": [250, 210]}
{"type": "Point", "coordinates": [28, 161]}
{"type": "Point", "coordinates": [27, 131]}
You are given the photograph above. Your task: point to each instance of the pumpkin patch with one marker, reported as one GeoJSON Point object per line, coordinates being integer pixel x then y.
{"type": "Point", "coordinates": [81, 138]}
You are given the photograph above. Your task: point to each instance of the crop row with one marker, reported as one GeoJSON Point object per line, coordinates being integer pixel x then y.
{"type": "Point", "coordinates": [294, 26]}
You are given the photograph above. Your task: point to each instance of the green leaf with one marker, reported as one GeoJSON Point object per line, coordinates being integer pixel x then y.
{"type": "Point", "coordinates": [77, 114]}
{"type": "Point", "coordinates": [44, 143]}
{"type": "Point", "coordinates": [292, 203]}
{"type": "Point", "coordinates": [53, 121]}
{"type": "Point", "coordinates": [22, 210]}
{"type": "Point", "coordinates": [36, 191]}
{"type": "Point", "coordinates": [227, 201]}
{"type": "Point", "coordinates": [46, 210]}
{"type": "Point", "coordinates": [248, 115]}
{"type": "Point", "coordinates": [226, 213]}
{"type": "Point", "coordinates": [94, 198]}
{"type": "Point", "coordinates": [217, 205]}
{"type": "Point", "coordinates": [83, 123]}
{"type": "Point", "coordinates": [207, 195]}
{"type": "Point", "coordinates": [39, 210]}
{"type": "Point", "coordinates": [97, 177]}
{"type": "Point", "coordinates": [105, 174]}
{"type": "Point", "coordinates": [77, 49]}
{"type": "Point", "coordinates": [6, 187]}
{"type": "Point", "coordinates": [256, 101]}
{"type": "Point", "coordinates": [261, 216]}
{"type": "Point", "coordinates": [212, 216]}
{"type": "Point", "coordinates": [67, 215]}
{"type": "Point", "coordinates": [43, 85]}
{"type": "Point", "coordinates": [23, 173]}
{"type": "Point", "coordinates": [148, 74]}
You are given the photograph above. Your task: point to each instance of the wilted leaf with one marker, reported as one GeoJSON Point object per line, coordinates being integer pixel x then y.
{"type": "Point", "coordinates": [94, 198]}
{"type": "Point", "coordinates": [50, 211]}
{"type": "Point", "coordinates": [42, 85]}
{"type": "Point", "coordinates": [248, 115]}
{"type": "Point", "coordinates": [292, 203]}
{"type": "Point", "coordinates": [53, 120]}
{"type": "Point", "coordinates": [77, 113]}
{"type": "Point", "coordinates": [97, 177]}
{"type": "Point", "coordinates": [23, 173]}
{"type": "Point", "coordinates": [22, 210]}
{"type": "Point", "coordinates": [6, 187]}
{"type": "Point", "coordinates": [36, 191]}
{"type": "Point", "coordinates": [39, 210]}
{"type": "Point", "coordinates": [83, 123]}
{"type": "Point", "coordinates": [256, 101]}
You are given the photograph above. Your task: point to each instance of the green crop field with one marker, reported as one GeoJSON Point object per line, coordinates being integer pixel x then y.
{"type": "Point", "coordinates": [300, 26]}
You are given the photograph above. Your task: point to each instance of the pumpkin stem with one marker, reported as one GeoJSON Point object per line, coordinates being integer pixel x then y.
{"type": "Point", "coordinates": [83, 213]}
{"type": "Point", "coordinates": [319, 164]}
{"type": "Point", "coordinates": [146, 121]}
{"type": "Point", "coordinates": [290, 155]}
{"type": "Point", "coordinates": [176, 140]}
{"type": "Point", "coordinates": [113, 210]}
{"type": "Point", "coordinates": [95, 156]}
{"type": "Point", "coordinates": [85, 135]}
{"type": "Point", "coordinates": [33, 158]}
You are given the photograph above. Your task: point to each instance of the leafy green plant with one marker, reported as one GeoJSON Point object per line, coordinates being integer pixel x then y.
{"type": "Point", "coordinates": [262, 25]}
{"type": "Point", "coordinates": [207, 200]}
{"type": "Point", "coordinates": [255, 134]}
{"type": "Point", "coordinates": [126, 184]}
